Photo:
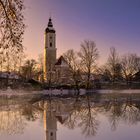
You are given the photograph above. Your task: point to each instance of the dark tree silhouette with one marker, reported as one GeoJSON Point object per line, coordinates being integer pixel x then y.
{"type": "Point", "coordinates": [130, 65]}
{"type": "Point", "coordinates": [113, 63]}
{"type": "Point", "coordinates": [88, 56]}
{"type": "Point", "coordinates": [72, 60]}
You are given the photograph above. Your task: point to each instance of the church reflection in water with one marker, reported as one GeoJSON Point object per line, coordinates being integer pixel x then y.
{"type": "Point", "coordinates": [81, 112]}
{"type": "Point", "coordinates": [84, 113]}
{"type": "Point", "coordinates": [54, 111]}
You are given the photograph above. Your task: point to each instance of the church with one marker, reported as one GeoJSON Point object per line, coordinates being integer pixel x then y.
{"type": "Point", "coordinates": [55, 70]}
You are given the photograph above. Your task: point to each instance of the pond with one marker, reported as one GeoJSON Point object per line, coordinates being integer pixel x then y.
{"type": "Point", "coordinates": [88, 117]}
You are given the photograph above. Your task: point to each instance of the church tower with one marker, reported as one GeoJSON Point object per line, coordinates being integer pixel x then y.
{"type": "Point", "coordinates": [50, 50]}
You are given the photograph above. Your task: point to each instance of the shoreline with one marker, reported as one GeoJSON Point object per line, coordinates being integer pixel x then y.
{"type": "Point", "coordinates": [56, 92]}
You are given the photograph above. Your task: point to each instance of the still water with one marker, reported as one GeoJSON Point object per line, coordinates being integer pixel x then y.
{"type": "Point", "coordinates": [98, 117]}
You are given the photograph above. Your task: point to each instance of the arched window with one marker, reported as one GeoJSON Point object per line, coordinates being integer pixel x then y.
{"type": "Point", "coordinates": [50, 44]}
{"type": "Point", "coordinates": [51, 134]}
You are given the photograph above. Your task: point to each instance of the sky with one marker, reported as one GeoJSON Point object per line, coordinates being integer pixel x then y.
{"type": "Point", "coordinates": [110, 23]}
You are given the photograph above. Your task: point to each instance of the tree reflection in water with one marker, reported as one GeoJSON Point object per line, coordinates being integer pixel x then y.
{"type": "Point", "coordinates": [13, 115]}
{"type": "Point", "coordinates": [11, 122]}
{"type": "Point", "coordinates": [83, 115]}
{"type": "Point", "coordinates": [126, 110]}
{"type": "Point", "coordinates": [70, 112]}
{"type": "Point", "coordinates": [89, 123]}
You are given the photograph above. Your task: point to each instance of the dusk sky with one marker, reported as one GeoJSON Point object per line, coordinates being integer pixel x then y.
{"type": "Point", "coordinates": [107, 22]}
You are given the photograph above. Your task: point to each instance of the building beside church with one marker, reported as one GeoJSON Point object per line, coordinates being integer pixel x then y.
{"type": "Point", "coordinates": [63, 74]}
{"type": "Point", "coordinates": [55, 70]}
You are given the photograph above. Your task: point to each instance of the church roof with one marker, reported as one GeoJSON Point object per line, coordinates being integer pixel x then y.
{"type": "Point", "coordinates": [62, 118]}
{"type": "Point", "coordinates": [61, 61]}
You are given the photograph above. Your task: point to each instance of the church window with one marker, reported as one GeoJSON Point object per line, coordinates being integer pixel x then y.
{"type": "Point", "coordinates": [50, 44]}
{"type": "Point", "coordinates": [51, 133]}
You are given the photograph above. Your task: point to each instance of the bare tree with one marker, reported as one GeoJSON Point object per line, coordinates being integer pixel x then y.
{"type": "Point", "coordinates": [11, 27]}
{"type": "Point", "coordinates": [2, 58]}
{"type": "Point", "coordinates": [88, 56]}
{"type": "Point", "coordinates": [72, 59]}
{"type": "Point", "coordinates": [130, 65]}
{"type": "Point", "coordinates": [40, 67]}
{"type": "Point", "coordinates": [29, 69]}
{"type": "Point", "coordinates": [114, 64]}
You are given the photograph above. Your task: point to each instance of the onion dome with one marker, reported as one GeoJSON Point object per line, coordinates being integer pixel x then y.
{"type": "Point", "coordinates": [50, 28]}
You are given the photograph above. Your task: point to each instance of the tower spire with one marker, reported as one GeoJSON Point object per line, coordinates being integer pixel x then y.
{"type": "Point", "coordinates": [50, 28]}
{"type": "Point", "coordinates": [50, 23]}
{"type": "Point", "coordinates": [50, 15]}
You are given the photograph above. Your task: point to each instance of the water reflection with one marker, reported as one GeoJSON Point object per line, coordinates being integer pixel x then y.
{"type": "Point", "coordinates": [127, 111]}
{"type": "Point", "coordinates": [82, 112]}
{"type": "Point", "coordinates": [14, 113]}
